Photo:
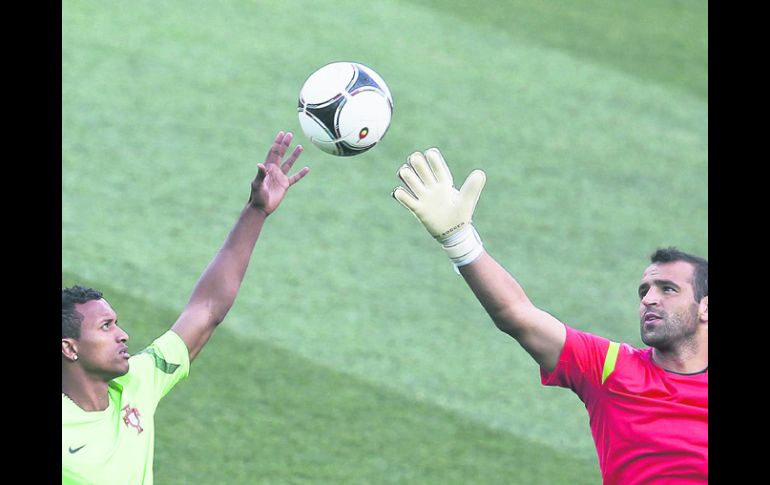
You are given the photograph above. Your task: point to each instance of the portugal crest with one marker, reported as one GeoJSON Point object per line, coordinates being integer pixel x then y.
{"type": "Point", "coordinates": [131, 418]}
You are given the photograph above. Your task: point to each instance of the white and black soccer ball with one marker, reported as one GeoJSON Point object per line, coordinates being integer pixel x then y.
{"type": "Point", "coordinates": [345, 108]}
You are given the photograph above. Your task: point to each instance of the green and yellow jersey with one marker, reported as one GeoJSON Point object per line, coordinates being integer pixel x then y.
{"type": "Point", "coordinates": [116, 446]}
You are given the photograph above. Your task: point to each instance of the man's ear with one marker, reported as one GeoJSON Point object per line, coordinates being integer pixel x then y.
{"type": "Point", "coordinates": [703, 309]}
{"type": "Point", "coordinates": [69, 349]}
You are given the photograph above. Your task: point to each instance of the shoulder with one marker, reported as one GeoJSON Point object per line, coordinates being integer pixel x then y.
{"type": "Point", "coordinates": [635, 374]}
{"type": "Point", "coordinates": [69, 410]}
{"type": "Point", "coordinates": [629, 359]}
{"type": "Point", "coordinates": [585, 344]}
{"type": "Point", "coordinates": [582, 361]}
{"type": "Point", "coordinates": [165, 355]}
{"type": "Point", "coordinates": [637, 365]}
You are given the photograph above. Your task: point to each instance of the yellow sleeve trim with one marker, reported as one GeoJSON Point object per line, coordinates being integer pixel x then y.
{"type": "Point", "coordinates": [609, 361]}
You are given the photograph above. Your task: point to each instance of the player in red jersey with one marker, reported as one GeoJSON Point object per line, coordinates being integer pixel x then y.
{"type": "Point", "coordinates": [648, 408]}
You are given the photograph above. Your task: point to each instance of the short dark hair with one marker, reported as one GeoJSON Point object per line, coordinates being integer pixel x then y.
{"type": "Point", "coordinates": [71, 318]}
{"type": "Point", "coordinates": [700, 275]}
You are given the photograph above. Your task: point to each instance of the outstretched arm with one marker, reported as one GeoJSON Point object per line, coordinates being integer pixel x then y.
{"type": "Point", "coordinates": [446, 214]}
{"type": "Point", "coordinates": [537, 331]}
{"type": "Point", "coordinates": [218, 286]}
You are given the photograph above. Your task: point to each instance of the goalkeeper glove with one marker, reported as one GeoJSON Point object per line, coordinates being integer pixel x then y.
{"type": "Point", "coordinates": [445, 211]}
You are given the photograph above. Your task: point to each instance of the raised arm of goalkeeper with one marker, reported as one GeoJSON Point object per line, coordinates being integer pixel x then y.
{"type": "Point", "coordinates": [428, 192]}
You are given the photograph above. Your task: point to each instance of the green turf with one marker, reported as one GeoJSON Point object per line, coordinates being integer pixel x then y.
{"type": "Point", "coordinates": [661, 41]}
{"type": "Point", "coordinates": [591, 123]}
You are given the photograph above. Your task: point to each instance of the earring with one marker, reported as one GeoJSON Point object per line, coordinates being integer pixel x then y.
{"type": "Point", "coordinates": [75, 357]}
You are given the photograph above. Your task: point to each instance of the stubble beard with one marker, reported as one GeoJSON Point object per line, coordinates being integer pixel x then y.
{"type": "Point", "coordinates": [675, 330]}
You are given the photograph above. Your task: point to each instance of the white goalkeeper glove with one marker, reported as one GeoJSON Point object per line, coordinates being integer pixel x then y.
{"type": "Point", "coordinates": [445, 211]}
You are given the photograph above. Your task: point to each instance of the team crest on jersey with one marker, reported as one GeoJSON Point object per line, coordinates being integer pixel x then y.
{"type": "Point", "coordinates": [131, 418]}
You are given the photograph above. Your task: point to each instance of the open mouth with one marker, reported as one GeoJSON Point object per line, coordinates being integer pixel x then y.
{"type": "Point", "coordinates": [651, 318]}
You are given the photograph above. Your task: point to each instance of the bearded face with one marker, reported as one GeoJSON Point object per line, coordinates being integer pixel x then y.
{"type": "Point", "coordinates": [668, 312]}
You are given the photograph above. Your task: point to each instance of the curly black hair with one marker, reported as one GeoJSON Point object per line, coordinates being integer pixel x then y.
{"type": "Point", "coordinates": [71, 318]}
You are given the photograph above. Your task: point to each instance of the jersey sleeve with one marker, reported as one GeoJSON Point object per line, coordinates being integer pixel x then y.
{"type": "Point", "coordinates": [159, 367]}
{"type": "Point", "coordinates": [580, 364]}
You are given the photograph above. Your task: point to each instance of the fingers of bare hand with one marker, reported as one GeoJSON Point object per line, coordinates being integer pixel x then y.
{"type": "Point", "coordinates": [297, 176]}
{"type": "Point", "coordinates": [278, 148]}
{"type": "Point", "coordinates": [292, 158]}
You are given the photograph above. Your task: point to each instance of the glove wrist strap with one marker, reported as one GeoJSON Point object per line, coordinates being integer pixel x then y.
{"type": "Point", "coordinates": [463, 247]}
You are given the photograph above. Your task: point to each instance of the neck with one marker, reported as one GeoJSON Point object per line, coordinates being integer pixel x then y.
{"type": "Point", "coordinates": [684, 360]}
{"type": "Point", "coordinates": [88, 394]}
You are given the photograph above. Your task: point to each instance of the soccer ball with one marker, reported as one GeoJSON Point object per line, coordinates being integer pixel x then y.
{"type": "Point", "coordinates": [345, 108]}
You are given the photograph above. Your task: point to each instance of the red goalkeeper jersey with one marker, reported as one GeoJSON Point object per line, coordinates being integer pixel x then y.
{"type": "Point", "coordinates": [650, 426]}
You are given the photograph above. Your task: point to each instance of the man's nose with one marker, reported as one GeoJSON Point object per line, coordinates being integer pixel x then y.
{"type": "Point", "coordinates": [651, 297]}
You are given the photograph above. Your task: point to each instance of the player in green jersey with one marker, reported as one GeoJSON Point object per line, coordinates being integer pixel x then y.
{"type": "Point", "coordinates": [108, 397]}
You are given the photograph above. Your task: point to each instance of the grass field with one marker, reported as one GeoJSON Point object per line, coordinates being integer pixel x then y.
{"type": "Point", "coordinates": [354, 354]}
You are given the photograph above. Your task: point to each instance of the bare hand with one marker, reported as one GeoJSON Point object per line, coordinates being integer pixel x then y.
{"type": "Point", "coordinates": [272, 181]}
